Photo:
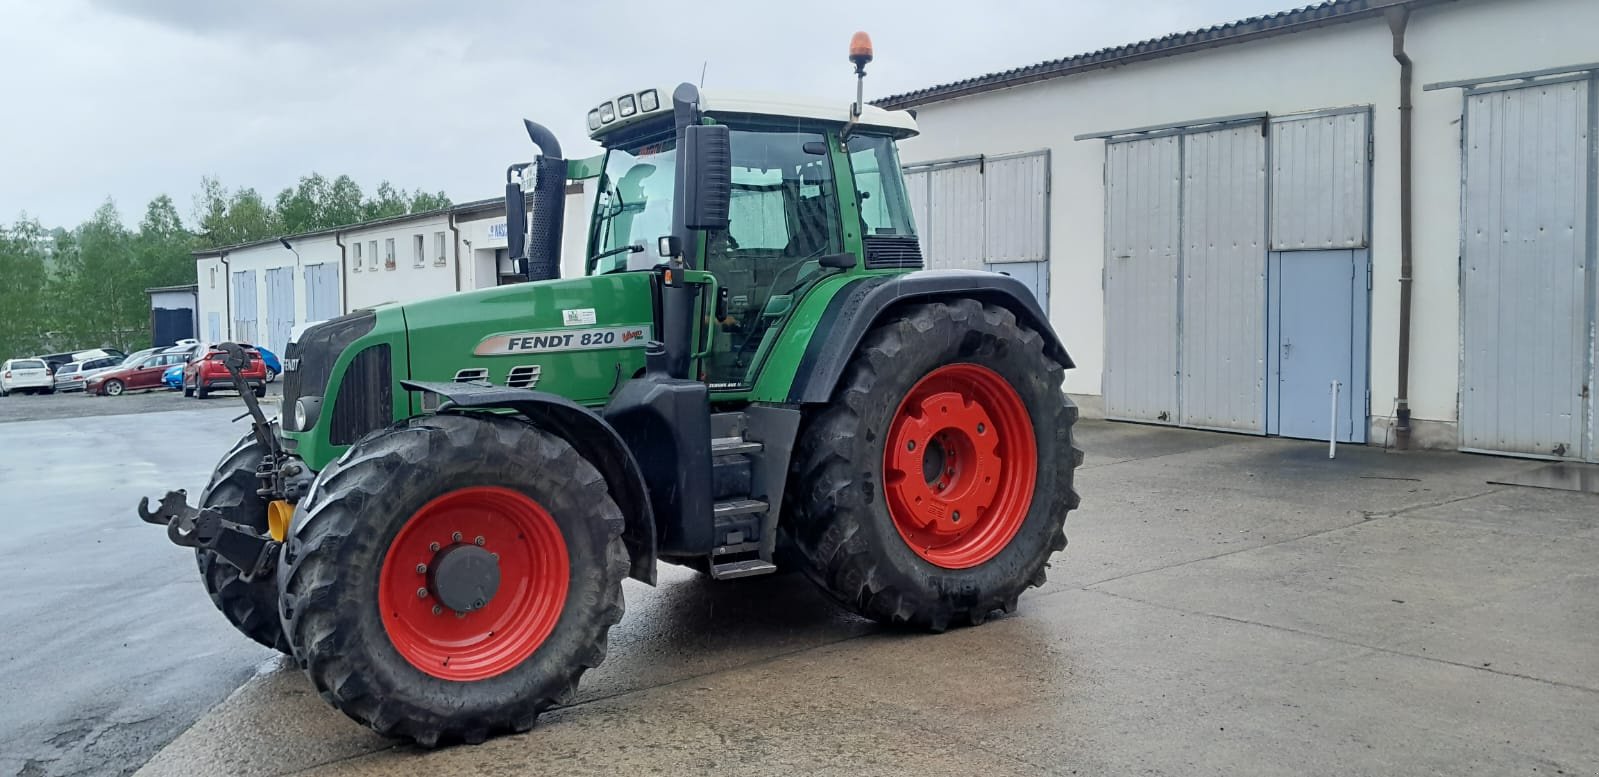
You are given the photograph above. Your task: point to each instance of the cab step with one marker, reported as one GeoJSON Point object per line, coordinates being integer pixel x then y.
{"type": "Point", "coordinates": [749, 567]}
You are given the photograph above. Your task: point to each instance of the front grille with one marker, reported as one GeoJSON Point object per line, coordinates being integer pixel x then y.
{"type": "Point", "coordinates": [366, 396]}
{"type": "Point", "coordinates": [893, 252]}
{"type": "Point", "coordinates": [308, 361]}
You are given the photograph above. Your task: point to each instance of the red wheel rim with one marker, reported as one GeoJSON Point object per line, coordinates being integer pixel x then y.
{"type": "Point", "coordinates": [959, 466]}
{"type": "Point", "coordinates": [481, 643]}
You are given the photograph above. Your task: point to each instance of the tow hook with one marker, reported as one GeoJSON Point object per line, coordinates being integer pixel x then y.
{"type": "Point", "coordinates": [238, 544]}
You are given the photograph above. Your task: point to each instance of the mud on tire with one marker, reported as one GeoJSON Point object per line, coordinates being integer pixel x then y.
{"type": "Point", "coordinates": [252, 607]}
{"type": "Point", "coordinates": [841, 523]}
{"type": "Point", "coordinates": [334, 564]}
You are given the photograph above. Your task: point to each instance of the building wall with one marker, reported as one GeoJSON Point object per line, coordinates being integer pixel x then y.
{"type": "Point", "coordinates": [464, 263]}
{"type": "Point", "coordinates": [1345, 65]}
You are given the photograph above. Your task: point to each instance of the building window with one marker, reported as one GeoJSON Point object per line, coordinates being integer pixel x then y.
{"type": "Point", "coordinates": [372, 253]}
{"type": "Point", "coordinates": [213, 277]}
{"type": "Point", "coordinates": [355, 257]}
{"type": "Point", "coordinates": [438, 248]}
{"type": "Point", "coordinates": [418, 251]}
{"type": "Point", "coordinates": [388, 253]}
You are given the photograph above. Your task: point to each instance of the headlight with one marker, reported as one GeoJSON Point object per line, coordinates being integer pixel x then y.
{"type": "Point", "coordinates": [648, 101]}
{"type": "Point", "coordinates": [306, 410]}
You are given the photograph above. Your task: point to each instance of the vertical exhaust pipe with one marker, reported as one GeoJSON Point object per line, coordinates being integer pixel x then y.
{"type": "Point", "coordinates": [535, 248]}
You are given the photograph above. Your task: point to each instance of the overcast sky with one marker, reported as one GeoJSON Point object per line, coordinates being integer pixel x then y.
{"type": "Point", "coordinates": [133, 98]}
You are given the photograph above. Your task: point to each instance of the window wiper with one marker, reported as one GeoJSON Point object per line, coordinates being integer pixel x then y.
{"type": "Point", "coordinates": [632, 249]}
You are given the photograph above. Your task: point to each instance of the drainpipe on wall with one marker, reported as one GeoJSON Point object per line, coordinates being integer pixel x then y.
{"type": "Point", "coordinates": [1398, 21]}
{"type": "Point", "coordinates": [455, 249]}
{"type": "Point", "coordinates": [227, 293]}
{"type": "Point", "coordinates": [344, 280]}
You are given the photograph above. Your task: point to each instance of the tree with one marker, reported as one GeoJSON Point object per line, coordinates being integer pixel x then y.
{"type": "Point", "coordinates": [24, 247]}
{"type": "Point", "coordinates": [233, 217]}
{"type": "Point", "coordinates": [97, 296]}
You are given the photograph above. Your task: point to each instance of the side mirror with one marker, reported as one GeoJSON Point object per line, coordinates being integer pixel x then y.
{"type": "Point", "coordinates": [707, 181]}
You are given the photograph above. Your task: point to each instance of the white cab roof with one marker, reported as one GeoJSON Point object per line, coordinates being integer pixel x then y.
{"type": "Point", "coordinates": [898, 124]}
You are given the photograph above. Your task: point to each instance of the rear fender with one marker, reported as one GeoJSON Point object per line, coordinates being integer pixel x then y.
{"type": "Point", "coordinates": [584, 431]}
{"type": "Point", "coordinates": [855, 310]}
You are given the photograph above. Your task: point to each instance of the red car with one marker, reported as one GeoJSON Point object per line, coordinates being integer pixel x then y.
{"type": "Point", "coordinates": [208, 373]}
{"type": "Point", "coordinates": [144, 373]}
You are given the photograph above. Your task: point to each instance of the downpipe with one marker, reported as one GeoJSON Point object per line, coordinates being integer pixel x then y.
{"type": "Point", "coordinates": [1398, 22]}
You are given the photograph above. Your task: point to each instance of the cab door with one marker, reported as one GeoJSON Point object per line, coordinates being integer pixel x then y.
{"type": "Point", "coordinates": [783, 218]}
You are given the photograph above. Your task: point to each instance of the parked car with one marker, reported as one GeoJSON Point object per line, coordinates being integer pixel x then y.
{"type": "Point", "coordinates": [273, 366]}
{"type": "Point", "coordinates": [30, 375]}
{"type": "Point", "coordinates": [55, 360]}
{"type": "Point", "coordinates": [206, 373]}
{"type": "Point", "coordinates": [142, 374]}
{"type": "Point", "coordinates": [173, 376]}
{"type": "Point", "coordinates": [72, 376]}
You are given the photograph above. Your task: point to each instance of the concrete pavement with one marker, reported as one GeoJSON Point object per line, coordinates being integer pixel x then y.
{"type": "Point", "coordinates": [1229, 605]}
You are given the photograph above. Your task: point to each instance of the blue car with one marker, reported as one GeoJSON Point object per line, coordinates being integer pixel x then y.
{"type": "Point", "coordinates": [173, 377]}
{"type": "Point", "coordinates": [270, 359]}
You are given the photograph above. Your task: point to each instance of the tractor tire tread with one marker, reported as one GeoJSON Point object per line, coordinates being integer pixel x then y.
{"type": "Point", "coordinates": [831, 501]}
{"type": "Point", "coordinates": [251, 606]}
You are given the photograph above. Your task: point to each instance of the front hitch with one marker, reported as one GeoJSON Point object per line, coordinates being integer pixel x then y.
{"type": "Point", "coordinates": [242, 546]}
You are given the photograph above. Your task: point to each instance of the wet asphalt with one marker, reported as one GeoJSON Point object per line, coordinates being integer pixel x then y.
{"type": "Point", "coordinates": [109, 647]}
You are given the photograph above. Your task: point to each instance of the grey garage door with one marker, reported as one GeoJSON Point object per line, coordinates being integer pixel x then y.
{"type": "Point", "coordinates": [280, 307]}
{"type": "Point", "coordinates": [1185, 278]}
{"type": "Point", "coordinates": [985, 213]}
{"type": "Point", "coordinates": [1527, 272]}
{"type": "Point", "coordinates": [322, 292]}
{"type": "Point", "coordinates": [244, 307]}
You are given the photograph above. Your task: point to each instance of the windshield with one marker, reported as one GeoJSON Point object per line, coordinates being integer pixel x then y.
{"type": "Point", "coordinates": [634, 206]}
{"type": "Point", "coordinates": [884, 206]}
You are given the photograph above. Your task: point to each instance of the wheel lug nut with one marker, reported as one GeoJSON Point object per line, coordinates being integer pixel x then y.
{"type": "Point", "coordinates": [479, 541]}
{"type": "Point", "coordinates": [421, 569]}
{"type": "Point", "coordinates": [496, 556]}
{"type": "Point", "coordinates": [437, 610]}
{"type": "Point", "coordinates": [460, 615]}
{"type": "Point", "coordinates": [456, 537]}
{"type": "Point", "coordinates": [421, 593]}
{"type": "Point", "coordinates": [433, 546]}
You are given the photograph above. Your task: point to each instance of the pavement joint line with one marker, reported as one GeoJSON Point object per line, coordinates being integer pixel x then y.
{"type": "Point", "coordinates": [1089, 453]}
{"type": "Point", "coordinates": [1351, 643]}
{"type": "Point", "coordinates": [1365, 519]}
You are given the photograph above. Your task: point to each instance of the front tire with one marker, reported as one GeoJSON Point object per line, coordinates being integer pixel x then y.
{"type": "Point", "coordinates": [935, 487]}
{"type": "Point", "coordinates": [113, 388]}
{"type": "Point", "coordinates": [371, 618]}
{"type": "Point", "coordinates": [250, 606]}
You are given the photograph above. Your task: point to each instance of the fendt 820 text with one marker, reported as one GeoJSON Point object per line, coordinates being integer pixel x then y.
{"type": "Point", "coordinates": [754, 372]}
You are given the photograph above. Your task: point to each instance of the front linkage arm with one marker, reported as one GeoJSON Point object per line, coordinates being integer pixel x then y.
{"type": "Point", "coordinates": [240, 545]}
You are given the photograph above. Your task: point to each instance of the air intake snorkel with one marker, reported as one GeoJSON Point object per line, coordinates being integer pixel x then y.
{"type": "Point", "coordinates": [537, 251]}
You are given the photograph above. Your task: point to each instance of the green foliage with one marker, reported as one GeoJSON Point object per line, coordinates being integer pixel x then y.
{"type": "Point", "coordinates": [24, 248]}
{"type": "Point", "coordinates": [84, 287]}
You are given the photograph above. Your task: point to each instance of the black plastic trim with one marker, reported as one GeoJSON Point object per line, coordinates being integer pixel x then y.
{"type": "Point", "coordinates": [856, 309]}
{"type": "Point", "coordinates": [595, 439]}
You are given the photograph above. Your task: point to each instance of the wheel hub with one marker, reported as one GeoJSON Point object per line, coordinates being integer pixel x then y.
{"type": "Point", "coordinates": [464, 578]}
{"type": "Point", "coordinates": [959, 465]}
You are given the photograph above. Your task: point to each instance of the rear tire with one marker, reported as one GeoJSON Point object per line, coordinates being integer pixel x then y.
{"type": "Point", "coordinates": [360, 616]}
{"type": "Point", "coordinates": [851, 524]}
{"type": "Point", "coordinates": [260, 390]}
{"type": "Point", "coordinates": [250, 606]}
{"type": "Point", "coordinates": [200, 391]}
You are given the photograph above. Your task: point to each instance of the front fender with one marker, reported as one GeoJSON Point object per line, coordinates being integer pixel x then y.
{"type": "Point", "coordinates": [584, 431]}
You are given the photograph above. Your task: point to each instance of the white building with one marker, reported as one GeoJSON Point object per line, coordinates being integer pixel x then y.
{"type": "Point", "coordinates": [258, 292]}
{"type": "Point", "coordinates": [1217, 217]}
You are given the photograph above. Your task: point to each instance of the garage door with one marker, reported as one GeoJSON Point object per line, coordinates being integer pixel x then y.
{"type": "Point", "coordinates": [244, 307]}
{"type": "Point", "coordinates": [1185, 278]}
{"type": "Point", "coordinates": [280, 307]}
{"type": "Point", "coordinates": [322, 292]}
{"type": "Point", "coordinates": [985, 213]}
{"type": "Point", "coordinates": [1527, 282]}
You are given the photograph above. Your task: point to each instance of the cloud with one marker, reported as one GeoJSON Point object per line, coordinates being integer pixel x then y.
{"type": "Point", "coordinates": [134, 98]}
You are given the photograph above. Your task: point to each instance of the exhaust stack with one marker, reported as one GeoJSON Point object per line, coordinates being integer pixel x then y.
{"type": "Point", "coordinates": [536, 248]}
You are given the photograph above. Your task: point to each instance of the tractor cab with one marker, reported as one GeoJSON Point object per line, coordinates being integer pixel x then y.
{"type": "Point", "coordinates": [809, 194]}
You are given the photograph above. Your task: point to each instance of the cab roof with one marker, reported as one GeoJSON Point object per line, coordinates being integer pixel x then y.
{"type": "Point", "coordinates": [896, 124]}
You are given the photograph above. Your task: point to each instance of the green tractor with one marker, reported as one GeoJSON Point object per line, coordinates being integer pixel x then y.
{"type": "Point", "coordinates": [753, 373]}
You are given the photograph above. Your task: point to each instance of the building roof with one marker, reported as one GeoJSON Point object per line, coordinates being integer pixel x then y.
{"type": "Point", "coordinates": [179, 287]}
{"type": "Point", "coordinates": [897, 123]}
{"type": "Point", "coordinates": [1253, 28]}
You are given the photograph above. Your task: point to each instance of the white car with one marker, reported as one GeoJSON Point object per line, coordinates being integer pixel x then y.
{"type": "Point", "coordinates": [30, 375]}
{"type": "Point", "coordinates": [71, 377]}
